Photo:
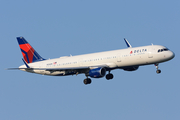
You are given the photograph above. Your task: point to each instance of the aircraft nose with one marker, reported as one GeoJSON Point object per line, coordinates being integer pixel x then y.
{"type": "Point", "coordinates": [171, 55]}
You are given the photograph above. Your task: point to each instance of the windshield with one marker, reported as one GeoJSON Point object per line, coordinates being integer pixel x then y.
{"type": "Point", "coordinates": [164, 49]}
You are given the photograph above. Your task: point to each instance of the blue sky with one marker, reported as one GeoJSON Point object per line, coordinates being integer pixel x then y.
{"type": "Point", "coordinates": [59, 28]}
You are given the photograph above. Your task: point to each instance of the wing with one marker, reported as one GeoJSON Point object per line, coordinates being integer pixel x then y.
{"type": "Point", "coordinates": [107, 65]}
{"type": "Point", "coordinates": [50, 69]}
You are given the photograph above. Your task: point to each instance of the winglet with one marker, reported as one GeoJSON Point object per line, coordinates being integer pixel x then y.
{"type": "Point", "coordinates": [127, 43]}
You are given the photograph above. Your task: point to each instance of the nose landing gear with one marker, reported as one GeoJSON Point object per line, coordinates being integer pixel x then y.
{"type": "Point", "coordinates": [157, 67]}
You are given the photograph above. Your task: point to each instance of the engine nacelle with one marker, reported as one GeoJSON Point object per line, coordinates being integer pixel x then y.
{"type": "Point", "coordinates": [97, 72]}
{"type": "Point", "coordinates": [131, 68]}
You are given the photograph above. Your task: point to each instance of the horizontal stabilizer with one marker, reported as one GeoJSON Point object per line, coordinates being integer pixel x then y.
{"type": "Point", "coordinates": [19, 69]}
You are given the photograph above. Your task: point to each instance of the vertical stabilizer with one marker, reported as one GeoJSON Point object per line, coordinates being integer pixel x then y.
{"type": "Point", "coordinates": [28, 52]}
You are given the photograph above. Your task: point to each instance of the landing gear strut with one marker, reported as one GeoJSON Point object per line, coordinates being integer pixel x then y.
{"type": "Point", "coordinates": [157, 67]}
{"type": "Point", "coordinates": [87, 81]}
{"type": "Point", "coordinates": [109, 76]}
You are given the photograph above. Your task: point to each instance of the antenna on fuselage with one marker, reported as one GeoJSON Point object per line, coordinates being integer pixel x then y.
{"type": "Point", "coordinates": [127, 43]}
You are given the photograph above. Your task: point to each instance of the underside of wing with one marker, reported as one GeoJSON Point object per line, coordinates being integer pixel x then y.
{"type": "Point", "coordinates": [66, 68]}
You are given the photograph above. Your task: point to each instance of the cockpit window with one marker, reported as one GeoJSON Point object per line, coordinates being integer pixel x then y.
{"type": "Point", "coordinates": [164, 49]}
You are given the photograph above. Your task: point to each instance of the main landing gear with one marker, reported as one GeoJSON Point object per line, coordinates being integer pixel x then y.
{"type": "Point", "coordinates": [87, 81]}
{"type": "Point", "coordinates": [109, 76]}
{"type": "Point", "coordinates": [157, 71]}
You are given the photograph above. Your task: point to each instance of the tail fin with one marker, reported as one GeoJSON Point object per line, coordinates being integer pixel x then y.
{"type": "Point", "coordinates": [28, 52]}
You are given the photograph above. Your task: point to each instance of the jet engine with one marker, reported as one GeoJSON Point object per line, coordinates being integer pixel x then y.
{"type": "Point", "coordinates": [133, 68]}
{"type": "Point", "coordinates": [97, 72]}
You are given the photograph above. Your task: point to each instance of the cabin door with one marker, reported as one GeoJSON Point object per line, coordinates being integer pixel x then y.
{"type": "Point", "coordinates": [118, 58]}
{"type": "Point", "coordinates": [150, 52]}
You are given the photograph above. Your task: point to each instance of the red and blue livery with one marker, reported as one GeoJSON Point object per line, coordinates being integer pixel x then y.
{"type": "Point", "coordinates": [28, 52]}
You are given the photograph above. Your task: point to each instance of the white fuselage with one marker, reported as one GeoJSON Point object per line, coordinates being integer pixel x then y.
{"type": "Point", "coordinates": [122, 58]}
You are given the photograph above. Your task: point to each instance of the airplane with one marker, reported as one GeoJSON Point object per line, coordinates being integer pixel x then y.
{"type": "Point", "coordinates": [94, 65]}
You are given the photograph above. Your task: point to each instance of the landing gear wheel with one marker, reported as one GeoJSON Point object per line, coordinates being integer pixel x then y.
{"type": "Point", "coordinates": [87, 81]}
{"type": "Point", "coordinates": [109, 76]}
{"type": "Point", "coordinates": [157, 67]}
{"type": "Point", "coordinates": [158, 71]}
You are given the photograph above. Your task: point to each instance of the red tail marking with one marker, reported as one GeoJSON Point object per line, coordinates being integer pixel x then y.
{"type": "Point", "coordinates": [29, 50]}
{"type": "Point", "coordinates": [25, 58]}
{"type": "Point", "coordinates": [30, 55]}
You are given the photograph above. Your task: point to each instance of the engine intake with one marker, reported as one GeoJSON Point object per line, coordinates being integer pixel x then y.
{"type": "Point", "coordinates": [97, 72]}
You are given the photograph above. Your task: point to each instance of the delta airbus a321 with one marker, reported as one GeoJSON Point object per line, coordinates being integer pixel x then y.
{"type": "Point", "coordinates": [93, 65]}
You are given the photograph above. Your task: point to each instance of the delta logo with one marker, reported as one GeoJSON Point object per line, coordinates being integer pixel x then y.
{"type": "Point", "coordinates": [138, 51]}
